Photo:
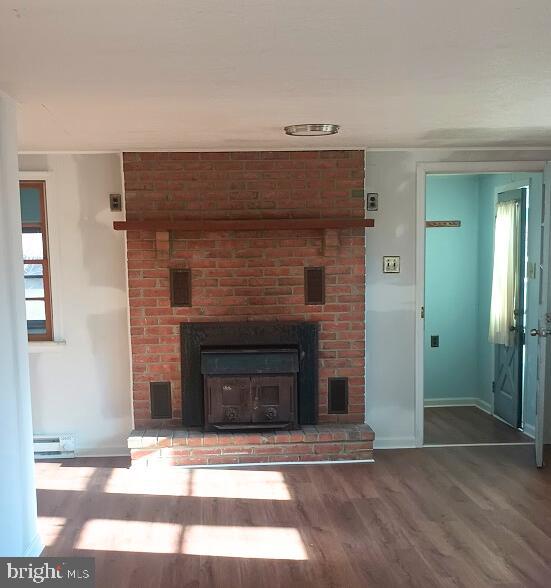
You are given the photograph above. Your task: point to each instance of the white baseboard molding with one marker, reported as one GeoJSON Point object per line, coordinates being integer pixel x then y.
{"type": "Point", "coordinates": [394, 442]}
{"type": "Point", "coordinates": [485, 406]}
{"type": "Point", "coordinates": [497, 444]}
{"type": "Point", "coordinates": [465, 401]}
{"type": "Point", "coordinates": [530, 430]}
{"type": "Point", "coordinates": [276, 463]}
{"type": "Point", "coordinates": [159, 465]}
{"type": "Point", "coordinates": [103, 452]}
{"type": "Point", "coordinates": [35, 547]}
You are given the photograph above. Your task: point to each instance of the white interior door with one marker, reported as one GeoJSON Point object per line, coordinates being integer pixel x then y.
{"type": "Point", "coordinates": [543, 329]}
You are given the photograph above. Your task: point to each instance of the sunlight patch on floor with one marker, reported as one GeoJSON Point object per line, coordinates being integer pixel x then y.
{"type": "Point", "coordinates": [201, 483]}
{"type": "Point", "coordinates": [49, 529]}
{"type": "Point", "coordinates": [246, 542]}
{"type": "Point", "coordinates": [135, 536]}
{"type": "Point", "coordinates": [208, 540]}
{"type": "Point", "coordinates": [256, 485]}
{"type": "Point", "coordinates": [51, 476]}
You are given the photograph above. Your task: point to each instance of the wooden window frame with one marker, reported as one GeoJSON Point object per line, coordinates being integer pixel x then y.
{"type": "Point", "coordinates": [40, 185]}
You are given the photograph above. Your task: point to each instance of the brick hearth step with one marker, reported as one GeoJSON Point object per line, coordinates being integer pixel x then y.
{"type": "Point", "coordinates": [194, 447]}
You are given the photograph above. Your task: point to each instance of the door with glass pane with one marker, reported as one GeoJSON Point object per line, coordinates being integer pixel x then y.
{"type": "Point", "coordinates": [507, 313]}
{"type": "Point", "coordinates": [35, 259]}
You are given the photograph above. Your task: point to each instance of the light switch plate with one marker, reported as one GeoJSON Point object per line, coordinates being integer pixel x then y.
{"type": "Point", "coordinates": [391, 264]}
{"type": "Point", "coordinates": [372, 201]}
{"type": "Point", "coordinates": [115, 202]}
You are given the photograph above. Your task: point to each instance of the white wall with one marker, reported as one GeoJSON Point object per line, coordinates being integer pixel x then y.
{"type": "Point", "coordinates": [18, 523]}
{"type": "Point", "coordinates": [390, 298]}
{"type": "Point", "coordinates": [83, 386]}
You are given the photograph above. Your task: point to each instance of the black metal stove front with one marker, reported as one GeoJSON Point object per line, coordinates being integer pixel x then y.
{"type": "Point", "coordinates": [250, 388]}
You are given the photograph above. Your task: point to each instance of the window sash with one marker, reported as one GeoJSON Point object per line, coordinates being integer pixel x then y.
{"type": "Point", "coordinates": [42, 227]}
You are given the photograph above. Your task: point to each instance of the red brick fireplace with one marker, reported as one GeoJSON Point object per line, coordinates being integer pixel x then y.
{"type": "Point", "coordinates": [244, 275]}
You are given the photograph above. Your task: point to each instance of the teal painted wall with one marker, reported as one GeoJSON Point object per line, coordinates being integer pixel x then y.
{"type": "Point", "coordinates": [458, 287]}
{"type": "Point", "coordinates": [451, 288]}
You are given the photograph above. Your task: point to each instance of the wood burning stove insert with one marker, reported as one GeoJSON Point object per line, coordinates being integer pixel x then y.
{"type": "Point", "coordinates": [267, 349]}
{"type": "Point", "coordinates": [250, 388]}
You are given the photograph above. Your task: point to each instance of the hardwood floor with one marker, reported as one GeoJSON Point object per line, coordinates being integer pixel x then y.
{"type": "Point", "coordinates": [464, 516]}
{"type": "Point", "coordinates": [455, 425]}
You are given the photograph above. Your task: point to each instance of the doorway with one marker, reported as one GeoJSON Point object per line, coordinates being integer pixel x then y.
{"type": "Point", "coordinates": [479, 370]}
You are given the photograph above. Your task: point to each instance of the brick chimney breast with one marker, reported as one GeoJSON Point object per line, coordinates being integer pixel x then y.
{"type": "Point", "coordinates": [245, 275]}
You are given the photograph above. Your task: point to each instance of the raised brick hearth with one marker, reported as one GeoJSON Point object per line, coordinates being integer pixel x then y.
{"type": "Point", "coordinates": [194, 447]}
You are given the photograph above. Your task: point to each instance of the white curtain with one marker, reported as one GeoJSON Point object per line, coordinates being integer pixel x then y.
{"type": "Point", "coordinates": [505, 285]}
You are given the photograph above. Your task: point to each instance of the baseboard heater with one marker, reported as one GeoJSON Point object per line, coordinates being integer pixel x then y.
{"type": "Point", "coordinates": [52, 446]}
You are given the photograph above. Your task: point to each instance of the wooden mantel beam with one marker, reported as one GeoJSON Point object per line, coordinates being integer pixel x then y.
{"type": "Point", "coordinates": [243, 224]}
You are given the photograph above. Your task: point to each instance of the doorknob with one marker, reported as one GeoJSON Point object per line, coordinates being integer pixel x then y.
{"type": "Point", "coordinates": [540, 332]}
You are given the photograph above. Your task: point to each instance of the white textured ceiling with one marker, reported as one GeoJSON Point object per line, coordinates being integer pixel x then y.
{"type": "Point", "coordinates": [229, 74]}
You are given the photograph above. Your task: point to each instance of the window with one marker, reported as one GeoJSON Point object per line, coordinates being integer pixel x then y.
{"type": "Point", "coordinates": [505, 279]}
{"type": "Point", "coordinates": [35, 260]}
